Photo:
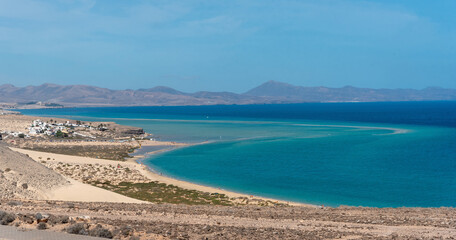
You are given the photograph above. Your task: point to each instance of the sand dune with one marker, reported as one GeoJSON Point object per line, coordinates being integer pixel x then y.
{"type": "Point", "coordinates": [24, 178]}
{"type": "Point", "coordinates": [21, 177]}
{"type": "Point", "coordinates": [81, 192]}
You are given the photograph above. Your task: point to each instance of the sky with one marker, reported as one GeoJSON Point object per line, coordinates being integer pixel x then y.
{"type": "Point", "coordinates": [231, 45]}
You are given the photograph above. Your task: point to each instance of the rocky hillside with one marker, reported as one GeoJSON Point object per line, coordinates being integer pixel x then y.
{"type": "Point", "coordinates": [21, 177]}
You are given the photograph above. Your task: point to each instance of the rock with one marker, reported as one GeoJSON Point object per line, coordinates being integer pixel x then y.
{"type": "Point", "coordinates": [41, 226]}
{"type": "Point", "coordinates": [6, 218]}
{"type": "Point", "coordinates": [78, 228]}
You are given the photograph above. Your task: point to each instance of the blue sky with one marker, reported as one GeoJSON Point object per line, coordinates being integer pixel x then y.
{"type": "Point", "coordinates": [228, 45]}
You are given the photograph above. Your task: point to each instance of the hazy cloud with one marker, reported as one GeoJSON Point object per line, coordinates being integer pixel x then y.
{"type": "Point", "coordinates": [158, 37]}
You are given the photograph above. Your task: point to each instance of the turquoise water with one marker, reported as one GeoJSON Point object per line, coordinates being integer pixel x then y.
{"type": "Point", "coordinates": [389, 163]}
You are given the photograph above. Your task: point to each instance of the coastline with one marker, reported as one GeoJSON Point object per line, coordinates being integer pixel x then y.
{"type": "Point", "coordinates": [155, 176]}
{"type": "Point", "coordinates": [93, 205]}
{"type": "Point", "coordinates": [97, 194]}
{"type": "Point", "coordinates": [79, 191]}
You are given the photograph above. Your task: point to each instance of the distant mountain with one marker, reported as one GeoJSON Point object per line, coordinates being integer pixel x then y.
{"type": "Point", "coordinates": [275, 89]}
{"type": "Point", "coordinates": [269, 92]}
{"type": "Point", "coordinates": [291, 93]}
{"type": "Point", "coordinates": [81, 95]}
{"type": "Point", "coordinates": [163, 89]}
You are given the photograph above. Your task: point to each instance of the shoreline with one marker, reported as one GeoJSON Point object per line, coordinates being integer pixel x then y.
{"type": "Point", "coordinates": [96, 194]}
{"type": "Point", "coordinates": [134, 163]}
{"type": "Point", "coordinates": [156, 176]}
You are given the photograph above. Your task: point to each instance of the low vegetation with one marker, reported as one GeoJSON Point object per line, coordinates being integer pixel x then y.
{"type": "Point", "coordinates": [163, 193]}
{"type": "Point", "coordinates": [131, 183]}
{"type": "Point", "coordinates": [115, 152]}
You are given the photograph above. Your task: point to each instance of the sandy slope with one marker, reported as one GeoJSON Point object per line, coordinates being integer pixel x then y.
{"type": "Point", "coordinates": [63, 188]}
{"type": "Point", "coordinates": [21, 177]}
{"type": "Point", "coordinates": [81, 192]}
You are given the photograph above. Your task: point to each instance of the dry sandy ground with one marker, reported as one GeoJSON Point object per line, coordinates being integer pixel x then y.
{"type": "Point", "coordinates": [15, 123]}
{"type": "Point", "coordinates": [168, 221]}
{"type": "Point", "coordinates": [77, 191]}
{"type": "Point", "coordinates": [21, 177]}
{"type": "Point", "coordinates": [61, 194]}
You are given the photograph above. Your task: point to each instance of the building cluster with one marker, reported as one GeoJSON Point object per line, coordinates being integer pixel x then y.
{"type": "Point", "coordinates": [40, 128]}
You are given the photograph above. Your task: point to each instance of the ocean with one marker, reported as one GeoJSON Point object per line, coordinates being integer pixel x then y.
{"type": "Point", "coordinates": [390, 154]}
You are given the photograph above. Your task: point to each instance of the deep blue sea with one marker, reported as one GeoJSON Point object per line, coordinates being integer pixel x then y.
{"type": "Point", "coordinates": [361, 154]}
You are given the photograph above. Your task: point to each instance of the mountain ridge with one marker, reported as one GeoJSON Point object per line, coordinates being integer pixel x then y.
{"type": "Point", "coordinates": [266, 93]}
{"type": "Point", "coordinates": [349, 93]}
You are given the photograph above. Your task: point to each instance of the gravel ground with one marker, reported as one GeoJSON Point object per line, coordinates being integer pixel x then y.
{"type": "Point", "coordinates": [170, 221]}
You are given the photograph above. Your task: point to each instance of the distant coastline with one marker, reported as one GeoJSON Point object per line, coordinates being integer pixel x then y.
{"type": "Point", "coordinates": [271, 92]}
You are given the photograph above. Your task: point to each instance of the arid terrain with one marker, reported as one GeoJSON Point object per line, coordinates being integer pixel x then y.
{"type": "Point", "coordinates": [171, 221]}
